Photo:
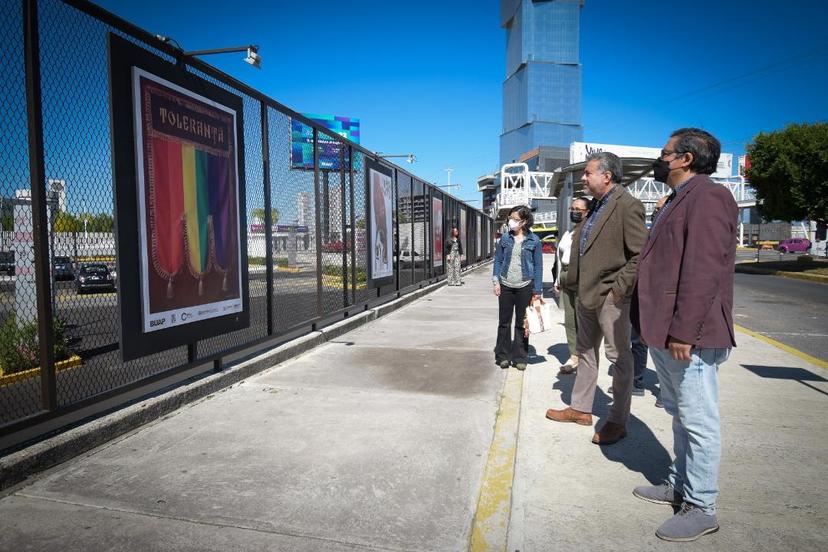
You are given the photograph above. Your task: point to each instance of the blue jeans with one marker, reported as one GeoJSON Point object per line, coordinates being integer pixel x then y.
{"type": "Point", "coordinates": [690, 393]}
{"type": "Point", "coordinates": [639, 353]}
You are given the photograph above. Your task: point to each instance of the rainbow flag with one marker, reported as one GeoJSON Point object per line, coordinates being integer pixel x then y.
{"type": "Point", "coordinates": [192, 208]}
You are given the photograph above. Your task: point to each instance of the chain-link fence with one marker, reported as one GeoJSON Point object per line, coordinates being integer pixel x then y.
{"type": "Point", "coordinates": [306, 226]}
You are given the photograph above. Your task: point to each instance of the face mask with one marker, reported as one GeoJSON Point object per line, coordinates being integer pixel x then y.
{"type": "Point", "coordinates": [514, 224]}
{"type": "Point", "coordinates": [661, 170]}
{"type": "Point", "coordinates": [576, 216]}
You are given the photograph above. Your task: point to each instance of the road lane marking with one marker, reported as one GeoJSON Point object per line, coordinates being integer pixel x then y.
{"type": "Point", "coordinates": [787, 348]}
{"type": "Point", "coordinates": [494, 507]}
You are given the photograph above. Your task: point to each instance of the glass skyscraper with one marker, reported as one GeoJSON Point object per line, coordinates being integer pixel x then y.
{"type": "Point", "coordinates": [542, 90]}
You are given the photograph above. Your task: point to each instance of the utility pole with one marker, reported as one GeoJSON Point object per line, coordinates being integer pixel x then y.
{"type": "Point", "coordinates": [449, 171]}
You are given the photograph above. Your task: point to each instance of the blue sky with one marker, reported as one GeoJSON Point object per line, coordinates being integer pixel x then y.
{"type": "Point", "coordinates": [425, 77]}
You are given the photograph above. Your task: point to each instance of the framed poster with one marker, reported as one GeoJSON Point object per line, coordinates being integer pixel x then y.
{"type": "Point", "coordinates": [437, 227]}
{"type": "Point", "coordinates": [379, 183]}
{"type": "Point", "coordinates": [179, 183]}
{"type": "Point", "coordinates": [464, 230]}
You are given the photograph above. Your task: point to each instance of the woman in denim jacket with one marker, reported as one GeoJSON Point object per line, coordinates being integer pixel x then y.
{"type": "Point", "coordinates": [517, 279]}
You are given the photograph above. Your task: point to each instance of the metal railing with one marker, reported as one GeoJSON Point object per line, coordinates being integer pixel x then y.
{"type": "Point", "coordinates": [306, 255]}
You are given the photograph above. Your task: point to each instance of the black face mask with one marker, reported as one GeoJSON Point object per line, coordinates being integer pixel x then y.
{"type": "Point", "coordinates": [661, 170]}
{"type": "Point", "coordinates": [576, 216]}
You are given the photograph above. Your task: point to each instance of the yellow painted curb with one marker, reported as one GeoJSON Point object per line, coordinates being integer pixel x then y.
{"type": "Point", "coordinates": [494, 507]}
{"type": "Point", "coordinates": [67, 364]}
{"type": "Point", "coordinates": [787, 348]}
{"type": "Point", "coordinates": [818, 278]}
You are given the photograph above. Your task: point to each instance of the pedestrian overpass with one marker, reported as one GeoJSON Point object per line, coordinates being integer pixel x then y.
{"type": "Point", "coordinates": [521, 186]}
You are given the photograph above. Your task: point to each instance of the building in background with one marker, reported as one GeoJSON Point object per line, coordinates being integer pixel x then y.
{"type": "Point", "coordinates": [542, 90]}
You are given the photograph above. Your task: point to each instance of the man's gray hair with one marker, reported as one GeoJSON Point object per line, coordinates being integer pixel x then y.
{"type": "Point", "coordinates": [608, 162]}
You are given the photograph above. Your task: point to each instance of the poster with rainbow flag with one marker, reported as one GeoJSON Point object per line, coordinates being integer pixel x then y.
{"type": "Point", "coordinates": [188, 203]}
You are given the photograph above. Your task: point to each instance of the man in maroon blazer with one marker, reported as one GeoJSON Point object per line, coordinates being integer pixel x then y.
{"type": "Point", "coordinates": [683, 305]}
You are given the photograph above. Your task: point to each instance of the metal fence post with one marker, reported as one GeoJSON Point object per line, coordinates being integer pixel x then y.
{"type": "Point", "coordinates": [40, 225]}
{"type": "Point", "coordinates": [317, 222]}
{"type": "Point", "coordinates": [353, 224]}
{"type": "Point", "coordinates": [268, 219]}
{"type": "Point", "coordinates": [343, 220]}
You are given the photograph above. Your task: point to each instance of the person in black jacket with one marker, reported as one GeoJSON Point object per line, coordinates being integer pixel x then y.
{"type": "Point", "coordinates": [453, 250]}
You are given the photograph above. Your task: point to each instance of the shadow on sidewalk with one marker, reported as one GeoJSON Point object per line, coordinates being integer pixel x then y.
{"type": "Point", "coordinates": [788, 373]}
{"type": "Point", "coordinates": [640, 451]}
{"type": "Point", "coordinates": [560, 351]}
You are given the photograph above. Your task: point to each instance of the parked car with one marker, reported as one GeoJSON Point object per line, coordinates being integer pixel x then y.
{"type": "Point", "coordinates": [7, 262]}
{"type": "Point", "coordinates": [411, 258]}
{"type": "Point", "coordinates": [549, 244]}
{"type": "Point", "coordinates": [794, 244]}
{"type": "Point", "coordinates": [335, 247]}
{"type": "Point", "coordinates": [64, 269]}
{"type": "Point", "coordinates": [94, 277]}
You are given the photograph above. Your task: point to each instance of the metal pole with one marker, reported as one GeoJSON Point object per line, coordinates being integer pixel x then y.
{"type": "Point", "coordinates": [268, 219]}
{"type": "Point", "coordinates": [317, 222]}
{"type": "Point", "coordinates": [342, 219]}
{"type": "Point", "coordinates": [353, 224]}
{"type": "Point", "coordinates": [40, 227]}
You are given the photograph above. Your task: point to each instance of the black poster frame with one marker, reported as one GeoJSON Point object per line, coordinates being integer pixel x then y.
{"type": "Point", "coordinates": [135, 343]}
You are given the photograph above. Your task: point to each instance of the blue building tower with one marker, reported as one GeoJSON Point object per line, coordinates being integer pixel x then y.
{"type": "Point", "coordinates": [542, 90]}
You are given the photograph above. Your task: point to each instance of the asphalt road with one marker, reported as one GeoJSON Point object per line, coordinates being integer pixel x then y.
{"type": "Point", "coordinates": [794, 312]}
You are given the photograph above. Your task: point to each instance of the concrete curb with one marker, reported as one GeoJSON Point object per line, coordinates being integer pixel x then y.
{"type": "Point", "coordinates": [20, 465]}
{"type": "Point", "coordinates": [746, 268]}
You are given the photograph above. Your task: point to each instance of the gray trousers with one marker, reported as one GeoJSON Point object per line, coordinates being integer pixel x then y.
{"type": "Point", "coordinates": [569, 299]}
{"type": "Point", "coordinates": [611, 322]}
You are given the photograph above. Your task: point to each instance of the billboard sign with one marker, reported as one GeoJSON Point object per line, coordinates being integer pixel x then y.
{"type": "Point", "coordinates": [578, 152]}
{"type": "Point", "coordinates": [301, 141]}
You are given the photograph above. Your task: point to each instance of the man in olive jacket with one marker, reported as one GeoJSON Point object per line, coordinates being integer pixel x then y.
{"type": "Point", "coordinates": [603, 268]}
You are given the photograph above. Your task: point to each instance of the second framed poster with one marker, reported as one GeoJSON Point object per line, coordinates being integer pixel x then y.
{"type": "Point", "coordinates": [379, 183]}
{"type": "Point", "coordinates": [437, 226]}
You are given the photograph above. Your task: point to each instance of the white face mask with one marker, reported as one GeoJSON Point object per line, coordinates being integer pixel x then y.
{"type": "Point", "coordinates": [514, 224]}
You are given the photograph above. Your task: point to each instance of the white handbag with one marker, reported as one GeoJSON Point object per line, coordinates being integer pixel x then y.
{"type": "Point", "coordinates": [538, 317]}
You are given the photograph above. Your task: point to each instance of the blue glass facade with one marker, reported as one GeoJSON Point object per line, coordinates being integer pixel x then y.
{"type": "Point", "coordinates": [542, 90]}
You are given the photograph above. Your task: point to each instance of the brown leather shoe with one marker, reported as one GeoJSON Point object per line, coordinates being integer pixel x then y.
{"type": "Point", "coordinates": [609, 434]}
{"type": "Point", "coordinates": [570, 415]}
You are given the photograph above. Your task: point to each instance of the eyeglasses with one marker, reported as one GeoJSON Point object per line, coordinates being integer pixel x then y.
{"type": "Point", "coordinates": [576, 210]}
{"type": "Point", "coordinates": [665, 153]}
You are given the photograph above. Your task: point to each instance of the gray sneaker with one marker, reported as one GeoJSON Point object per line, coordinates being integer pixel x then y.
{"type": "Point", "coordinates": [520, 366]}
{"type": "Point", "coordinates": [687, 525]}
{"type": "Point", "coordinates": [659, 494]}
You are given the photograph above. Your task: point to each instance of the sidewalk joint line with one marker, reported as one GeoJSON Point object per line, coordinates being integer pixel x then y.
{"type": "Point", "coordinates": [208, 523]}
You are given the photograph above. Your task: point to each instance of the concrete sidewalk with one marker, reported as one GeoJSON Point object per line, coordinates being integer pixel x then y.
{"type": "Point", "coordinates": [572, 495]}
{"type": "Point", "coordinates": [374, 441]}
{"type": "Point", "coordinates": [379, 441]}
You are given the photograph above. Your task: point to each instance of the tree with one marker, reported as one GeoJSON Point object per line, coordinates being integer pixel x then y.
{"type": "Point", "coordinates": [789, 171]}
{"type": "Point", "coordinates": [65, 222]}
{"type": "Point", "coordinates": [258, 213]}
{"type": "Point", "coordinates": [101, 222]}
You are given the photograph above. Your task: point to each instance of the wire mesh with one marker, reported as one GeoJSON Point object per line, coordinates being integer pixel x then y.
{"type": "Point", "coordinates": [18, 306]}
{"type": "Point", "coordinates": [363, 292]}
{"type": "Point", "coordinates": [332, 240]}
{"type": "Point", "coordinates": [294, 201]}
{"type": "Point", "coordinates": [405, 230]}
